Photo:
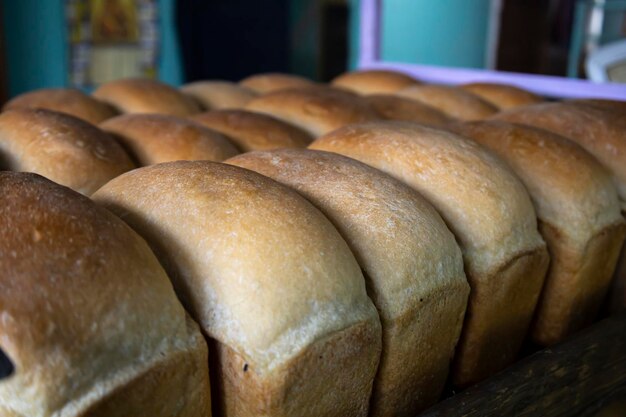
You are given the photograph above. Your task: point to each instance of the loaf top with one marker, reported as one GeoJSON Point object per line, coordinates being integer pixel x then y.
{"type": "Point", "coordinates": [156, 138]}
{"type": "Point", "coordinates": [481, 200]}
{"type": "Point", "coordinates": [219, 94]}
{"type": "Point", "coordinates": [72, 102]}
{"type": "Point", "coordinates": [274, 81]}
{"type": "Point", "coordinates": [60, 147]}
{"type": "Point", "coordinates": [82, 297]}
{"type": "Point", "coordinates": [398, 238]}
{"type": "Point", "coordinates": [503, 96]}
{"type": "Point", "coordinates": [252, 131]}
{"type": "Point", "coordinates": [374, 81]}
{"type": "Point", "coordinates": [317, 111]}
{"type": "Point", "coordinates": [140, 95]}
{"type": "Point", "coordinates": [259, 267]}
{"type": "Point", "coordinates": [394, 107]}
{"type": "Point", "coordinates": [569, 187]}
{"type": "Point", "coordinates": [594, 126]}
{"type": "Point", "coordinates": [453, 101]}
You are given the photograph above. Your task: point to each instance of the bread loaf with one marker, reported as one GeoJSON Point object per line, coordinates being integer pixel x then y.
{"type": "Point", "coordinates": [269, 279]}
{"type": "Point", "coordinates": [487, 208]}
{"type": "Point", "coordinates": [417, 283]}
{"type": "Point", "coordinates": [213, 95]}
{"type": "Point", "coordinates": [72, 102]}
{"type": "Point", "coordinates": [453, 101]}
{"type": "Point", "coordinates": [502, 96]}
{"type": "Point", "coordinates": [251, 131]}
{"type": "Point", "coordinates": [579, 218]}
{"type": "Point", "coordinates": [315, 111]}
{"type": "Point", "coordinates": [392, 107]}
{"type": "Point", "coordinates": [155, 138]}
{"type": "Point", "coordinates": [90, 323]}
{"type": "Point", "coordinates": [599, 131]}
{"type": "Point", "coordinates": [374, 81]}
{"type": "Point", "coordinates": [272, 81]}
{"type": "Point", "coordinates": [138, 95]}
{"type": "Point", "coordinates": [60, 147]}
{"type": "Point", "coordinates": [598, 126]}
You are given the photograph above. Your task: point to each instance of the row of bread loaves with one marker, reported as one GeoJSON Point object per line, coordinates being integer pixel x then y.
{"type": "Point", "coordinates": [352, 278]}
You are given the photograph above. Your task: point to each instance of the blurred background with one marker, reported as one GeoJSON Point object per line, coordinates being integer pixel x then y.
{"type": "Point", "coordinates": [82, 43]}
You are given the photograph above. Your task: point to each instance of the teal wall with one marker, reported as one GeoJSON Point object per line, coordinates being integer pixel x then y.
{"type": "Point", "coordinates": [37, 51]}
{"type": "Point", "coordinates": [435, 32]}
{"type": "Point", "coordinates": [35, 44]}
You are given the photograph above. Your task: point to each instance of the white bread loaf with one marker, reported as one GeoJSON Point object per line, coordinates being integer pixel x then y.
{"type": "Point", "coordinates": [140, 95]}
{"type": "Point", "coordinates": [156, 138]}
{"type": "Point", "coordinates": [315, 110]}
{"type": "Point", "coordinates": [251, 131]}
{"type": "Point", "coordinates": [503, 96]}
{"type": "Point", "coordinates": [60, 147]}
{"type": "Point", "coordinates": [412, 264]}
{"type": "Point", "coordinates": [64, 100]}
{"type": "Point", "coordinates": [270, 281]}
{"type": "Point", "coordinates": [487, 208]}
{"type": "Point", "coordinates": [215, 95]}
{"type": "Point", "coordinates": [90, 325]}
{"type": "Point", "coordinates": [579, 218]}
{"type": "Point", "coordinates": [374, 81]}
{"type": "Point", "coordinates": [453, 101]}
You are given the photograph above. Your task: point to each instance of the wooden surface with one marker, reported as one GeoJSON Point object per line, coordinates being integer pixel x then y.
{"type": "Point", "coordinates": [579, 377]}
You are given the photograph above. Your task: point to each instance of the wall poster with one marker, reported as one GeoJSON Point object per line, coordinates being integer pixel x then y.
{"type": "Point", "coordinates": [111, 39]}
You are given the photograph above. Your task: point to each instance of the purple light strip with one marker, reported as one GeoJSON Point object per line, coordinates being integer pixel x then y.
{"type": "Point", "coordinates": [545, 85]}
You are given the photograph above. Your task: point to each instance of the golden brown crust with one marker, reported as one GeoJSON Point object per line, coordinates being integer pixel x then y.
{"type": "Point", "coordinates": [251, 131]}
{"type": "Point", "coordinates": [273, 81]}
{"type": "Point", "coordinates": [575, 201]}
{"type": "Point", "coordinates": [262, 270]}
{"type": "Point", "coordinates": [392, 107]}
{"type": "Point", "coordinates": [572, 298]}
{"type": "Point", "coordinates": [72, 102]}
{"type": "Point", "coordinates": [384, 223]}
{"type": "Point", "coordinates": [374, 81]}
{"type": "Point", "coordinates": [139, 95]}
{"type": "Point", "coordinates": [507, 297]}
{"type": "Point", "coordinates": [86, 307]}
{"type": "Point", "coordinates": [154, 138]}
{"type": "Point", "coordinates": [215, 95]}
{"type": "Point", "coordinates": [315, 111]}
{"type": "Point", "coordinates": [503, 96]}
{"type": "Point", "coordinates": [486, 207]}
{"type": "Point", "coordinates": [302, 387]}
{"type": "Point", "coordinates": [597, 130]}
{"type": "Point", "coordinates": [60, 147]}
{"type": "Point", "coordinates": [453, 101]}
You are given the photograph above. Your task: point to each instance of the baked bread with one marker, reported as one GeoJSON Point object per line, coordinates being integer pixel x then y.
{"type": "Point", "coordinates": [418, 285]}
{"type": "Point", "coordinates": [251, 131]}
{"type": "Point", "coordinates": [60, 147]}
{"type": "Point", "coordinates": [156, 138]}
{"type": "Point", "coordinates": [579, 218]}
{"type": "Point", "coordinates": [315, 111]}
{"type": "Point", "coordinates": [214, 95]}
{"type": "Point", "coordinates": [270, 281]}
{"type": "Point", "coordinates": [90, 322]}
{"type": "Point", "coordinates": [69, 101]}
{"type": "Point", "coordinates": [503, 96]}
{"type": "Point", "coordinates": [453, 101]}
{"type": "Point", "coordinates": [140, 95]}
{"type": "Point", "coordinates": [392, 107]}
{"type": "Point", "coordinates": [487, 208]}
{"type": "Point", "coordinates": [273, 81]}
{"type": "Point", "coordinates": [598, 130]}
{"type": "Point", "coordinates": [374, 81]}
